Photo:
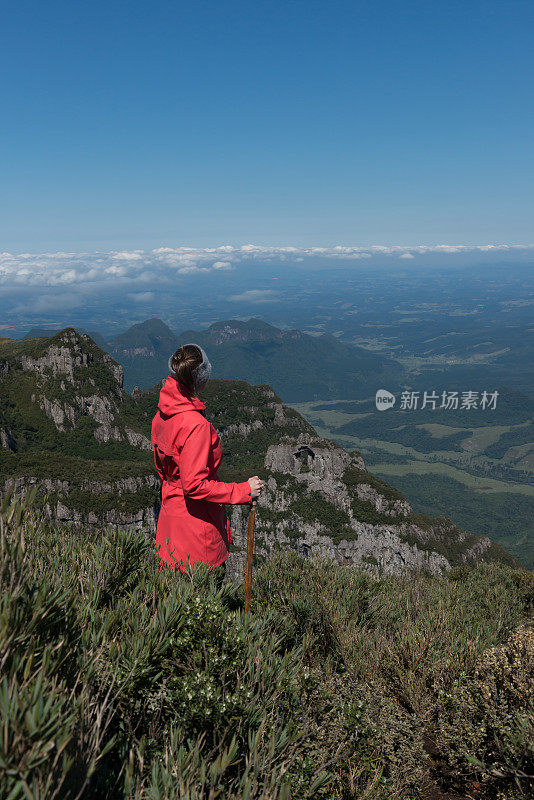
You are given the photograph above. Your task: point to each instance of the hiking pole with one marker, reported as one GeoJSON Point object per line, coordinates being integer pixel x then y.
{"type": "Point", "coordinates": [250, 549]}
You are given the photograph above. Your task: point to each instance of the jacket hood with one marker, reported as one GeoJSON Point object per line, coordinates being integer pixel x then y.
{"type": "Point", "coordinates": [172, 401]}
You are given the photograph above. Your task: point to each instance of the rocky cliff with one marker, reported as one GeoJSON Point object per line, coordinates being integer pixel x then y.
{"type": "Point", "coordinates": [321, 501]}
{"type": "Point", "coordinates": [72, 379]}
{"type": "Point", "coordinates": [68, 427]}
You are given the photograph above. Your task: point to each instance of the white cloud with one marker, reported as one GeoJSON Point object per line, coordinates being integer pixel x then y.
{"type": "Point", "coordinates": [254, 296]}
{"type": "Point", "coordinates": [120, 272]}
{"type": "Point", "coordinates": [141, 297]}
{"type": "Point", "coordinates": [162, 266]}
{"type": "Point", "coordinates": [189, 269]}
{"type": "Point", "coordinates": [124, 255]}
{"type": "Point", "coordinates": [69, 276]}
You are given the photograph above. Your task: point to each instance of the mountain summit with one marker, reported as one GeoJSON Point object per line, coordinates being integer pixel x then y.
{"type": "Point", "coordinates": [149, 338]}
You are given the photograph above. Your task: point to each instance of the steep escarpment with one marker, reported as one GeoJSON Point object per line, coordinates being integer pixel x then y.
{"type": "Point", "coordinates": [69, 428]}
{"type": "Point", "coordinates": [120, 502]}
{"type": "Point", "coordinates": [68, 378]}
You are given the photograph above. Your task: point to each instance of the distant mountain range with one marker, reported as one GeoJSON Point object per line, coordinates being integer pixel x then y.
{"type": "Point", "coordinates": [299, 366]}
{"type": "Point", "coordinates": [68, 427]}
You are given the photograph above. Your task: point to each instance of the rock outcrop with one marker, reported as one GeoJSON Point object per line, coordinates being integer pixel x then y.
{"type": "Point", "coordinates": [65, 353]}
{"type": "Point", "coordinates": [75, 380]}
{"type": "Point", "coordinates": [7, 441]}
{"type": "Point", "coordinates": [81, 503]}
{"type": "Point", "coordinates": [319, 465]}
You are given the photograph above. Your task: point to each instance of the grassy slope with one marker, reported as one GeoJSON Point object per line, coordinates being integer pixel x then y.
{"type": "Point", "coordinates": [126, 681]}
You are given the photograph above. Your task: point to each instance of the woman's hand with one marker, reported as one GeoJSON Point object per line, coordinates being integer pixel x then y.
{"type": "Point", "coordinates": [256, 485]}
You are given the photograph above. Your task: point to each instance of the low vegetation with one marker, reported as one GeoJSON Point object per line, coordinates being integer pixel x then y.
{"type": "Point", "coordinates": [123, 680]}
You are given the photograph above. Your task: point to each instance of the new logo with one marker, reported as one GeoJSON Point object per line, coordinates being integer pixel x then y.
{"type": "Point", "coordinates": [384, 400]}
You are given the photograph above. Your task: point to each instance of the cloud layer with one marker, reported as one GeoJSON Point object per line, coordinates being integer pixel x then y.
{"type": "Point", "coordinates": [141, 269]}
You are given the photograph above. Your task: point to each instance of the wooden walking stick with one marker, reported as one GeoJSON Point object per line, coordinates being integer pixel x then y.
{"type": "Point", "coordinates": [250, 549]}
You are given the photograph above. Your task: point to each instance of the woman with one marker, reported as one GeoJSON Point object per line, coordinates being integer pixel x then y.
{"type": "Point", "coordinates": [192, 524]}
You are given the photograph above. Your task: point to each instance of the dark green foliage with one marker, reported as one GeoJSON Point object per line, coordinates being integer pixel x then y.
{"type": "Point", "coordinates": [517, 436]}
{"type": "Point", "coordinates": [373, 455]}
{"type": "Point", "coordinates": [365, 511]}
{"type": "Point", "coordinates": [14, 348]}
{"type": "Point", "coordinates": [401, 427]}
{"type": "Point", "coordinates": [448, 541]}
{"type": "Point", "coordinates": [270, 516]}
{"type": "Point", "coordinates": [138, 411]}
{"type": "Point", "coordinates": [312, 506]}
{"type": "Point", "coordinates": [100, 502]}
{"type": "Point", "coordinates": [71, 468]}
{"type": "Point", "coordinates": [524, 581]}
{"type": "Point", "coordinates": [123, 680]}
{"type": "Point", "coordinates": [116, 671]}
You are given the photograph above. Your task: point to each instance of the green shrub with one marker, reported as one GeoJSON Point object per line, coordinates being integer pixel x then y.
{"type": "Point", "coordinates": [354, 476]}
{"type": "Point", "coordinates": [122, 680]}
{"type": "Point", "coordinates": [486, 719]}
{"type": "Point", "coordinates": [115, 669]}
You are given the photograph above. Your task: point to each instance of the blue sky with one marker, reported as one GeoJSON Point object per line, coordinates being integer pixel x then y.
{"type": "Point", "coordinates": [151, 124]}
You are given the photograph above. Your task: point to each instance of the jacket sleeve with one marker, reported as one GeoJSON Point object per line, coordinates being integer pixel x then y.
{"type": "Point", "coordinates": [193, 461]}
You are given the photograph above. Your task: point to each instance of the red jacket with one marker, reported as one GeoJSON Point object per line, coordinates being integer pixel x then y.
{"type": "Point", "coordinates": [192, 523]}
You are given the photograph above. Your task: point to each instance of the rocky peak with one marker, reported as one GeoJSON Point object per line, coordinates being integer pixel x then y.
{"type": "Point", "coordinates": [67, 350]}
{"type": "Point", "coordinates": [148, 339]}
{"type": "Point", "coordinates": [70, 379]}
{"type": "Point", "coordinates": [254, 330]}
